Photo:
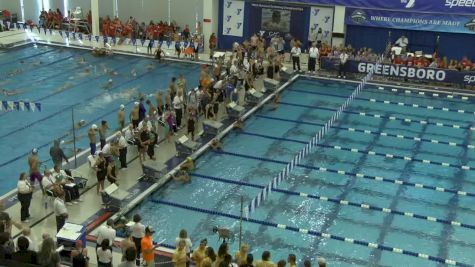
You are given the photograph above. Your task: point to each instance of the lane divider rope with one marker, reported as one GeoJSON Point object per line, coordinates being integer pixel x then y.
{"type": "Point", "coordinates": [379, 116]}
{"type": "Point", "coordinates": [262, 195]}
{"type": "Point", "coordinates": [316, 233]}
{"type": "Point", "coordinates": [388, 102]}
{"type": "Point", "coordinates": [357, 175]}
{"type": "Point", "coordinates": [364, 131]}
{"type": "Point", "coordinates": [340, 201]}
{"type": "Point", "coordinates": [367, 152]}
{"type": "Point", "coordinates": [441, 95]}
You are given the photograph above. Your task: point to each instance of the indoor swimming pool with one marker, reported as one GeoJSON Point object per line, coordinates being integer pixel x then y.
{"type": "Point", "coordinates": [396, 171]}
{"type": "Point", "coordinates": [64, 79]}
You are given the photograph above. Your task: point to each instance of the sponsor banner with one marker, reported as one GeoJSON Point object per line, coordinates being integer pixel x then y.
{"type": "Point", "coordinates": [321, 18]}
{"type": "Point", "coordinates": [402, 71]}
{"type": "Point", "coordinates": [233, 17]}
{"type": "Point", "coordinates": [436, 6]}
{"type": "Point", "coordinates": [411, 21]}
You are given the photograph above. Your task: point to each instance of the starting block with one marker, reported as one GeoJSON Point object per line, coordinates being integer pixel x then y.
{"type": "Point", "coordinates": [185, 146]}
{"type": "Point", "coordinates": [285, 74]}
{"type": "Point", "coordinates": [271, 84]}
{"type": "Point", "coordinates": [211, 127]}
{"type": "Point", "coordinates": [153, 170]}
{"type": "Point", "coordinates": [253, 96]}
{"type": "Point", "coordinates": [234, 110]}
{"type": "Point", "coordinates": [113, 197]}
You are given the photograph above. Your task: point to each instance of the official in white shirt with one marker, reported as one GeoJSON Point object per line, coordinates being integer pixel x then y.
{"type": "Point", "coordinates": [402, 42]}
{"type": "Point", "coordinates": [295, 52]}
{"type": "Point", "coordinates": [342, 66]}
{"type": "Point", "coordinates": [313, 54]}
{"type": "Point", "coordinates": [60, 211]}
{"type": "Point", "coordinates": [25, 192]}
{"type": "Point", "coordinates": [122, 150]}
{"type": "Point", "coordinates": [106, 232]}
{"type": "Point", "coordinates": [178, 103]}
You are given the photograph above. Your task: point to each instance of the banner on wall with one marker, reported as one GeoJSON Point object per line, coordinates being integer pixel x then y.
{"type": "Point", "coordinates": [321, 18]}
{"type": "Point", "coordinates": [437, 6]}
{"type": "Point", "coordinates": [233, 17]}
{"type": "Point", "coordinates": [411, 21]}
{"type": "Point", "coordinates": [402, 71]}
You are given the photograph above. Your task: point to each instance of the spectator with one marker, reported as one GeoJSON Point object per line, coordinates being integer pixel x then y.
{"type": "Point", "coordinates": [249, 261]}
{"type": "Point", "coordinates": [183, 236]}
{"type": "Point", "coordinates": [6, 246]}
{"type": "Point", "coordinates": [307, 263]}
{"type": "Point", "coordinates": [210, 258]}
{"type": "Point", "coordinates": [213, 41]}
{"type": "Point", "coordinates": [199, 254]}
{"type": "Point", "coordinates": [265, 261]}
{"type": "Point", "coordinates": [106, 232]}
{"type": "Point", "coordinates": [57, 154]}
{"type": "Point", "coordinates": [179, 258]}
{"type": "Point", "coordinates": [60, 211]}
{"type": "Point", "coordinates": [104, 254]}
{"type": "Point", "coordinates": [126, 243]}
{"type": "Point", "coordinates": [292, 260]}
{"type": "Point", "coordinates": [138, 232]}
{"type": "Point", "coordinates": [70, 189]}
{"type": "Point", "coordinates": [23, 254]}
{"type": "Point", "coordinates": [25, 192]}
{"type": "Point", "coordinates": [79, 256]}
{"type": "Point", "coordinates": [129, 260]}
{"type": "Point", "coordinates": [26, 232]}
{"type": "Point", "coordinates": [148, 248]}
{"type": "Point", "coordinates": [222, 252]}
{"type": "Point", "coordinates": [322, 262]}
{"type": "Point", "coordinates": [47, 256]}
{"type": "Point", "coordinates": [281, 263]}
{"type": "Point", "coordinates": [241, 255]}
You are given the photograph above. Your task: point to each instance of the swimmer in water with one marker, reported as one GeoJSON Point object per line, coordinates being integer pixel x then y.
{"type": "Point", "coordinates": [150, 67]}
{"type": "Point", "coordinates": [216, 145]}
{"type": "Point", "coordinates": [64, 87]}
{"type": "Point", "coordinates": [14, 72]}
{"type": "Point", "coordinates": [133, 73]}
{"type": "Point", "coordinates": [108, 85]}
{"type": "Point", "coordinates": [81, 60]}
{"type": "Point", "coordinates": [113, 73]}
{"type": "Point", "coordinates": [10, 92]}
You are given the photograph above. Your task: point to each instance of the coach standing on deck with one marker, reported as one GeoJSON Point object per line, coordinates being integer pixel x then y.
{"type": "Point", "coordinates": [60, 211]}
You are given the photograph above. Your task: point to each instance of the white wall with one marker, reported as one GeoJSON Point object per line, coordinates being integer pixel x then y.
{"type": "Point", "coordinates": [84, 4]}
{"type": "Point", "coordinates": [339, 25]}
{"type": "Point", "coordinates": [11, 5]}
{"type": "Point", "coordinates": [184, 12]}
{"type": "Point", "coordinates": [143, 10]}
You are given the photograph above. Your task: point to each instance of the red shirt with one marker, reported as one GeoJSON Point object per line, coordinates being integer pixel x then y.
{"type": "Point", "coordinates": [397, 61]}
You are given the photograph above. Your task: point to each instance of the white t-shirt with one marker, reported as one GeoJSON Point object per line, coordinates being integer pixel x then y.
{"type": "Point", "coordinates": [343, 58]}
{"type": "Point", "coordinates": [149, 125]}
{"type": "Point", "coordinates": [178, 102]}
{"type": "Point", "coordinates": [138, 230]}
{"type": "Point", "coordinates": [23, 187]}
{"type": "Point", "coordinates": [313, 52]}
{"type": "Point", "coordinates": [47, 181]}
{"type": "Point", "coordinates": [59, 207]}
{"type": "Point", "coordinates": [104, 256]}
{"type": "Point", "coordinates": [402, 41]}
{"type": "Point", "coordinates": [295, 51]}
{"type": "Point", "coordinates": [106, 232]}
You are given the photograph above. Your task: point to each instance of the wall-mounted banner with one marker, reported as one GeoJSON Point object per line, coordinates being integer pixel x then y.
{"type": "Point", "coordinates": [437, 6]}
{"type": "Point", "coordinates": [411, 21]}
{"type": "Point", "coordinates": [402, 71]}
{"type": "Point", "coordinates": [233, 17]}
{"type": "Point", "coordinates": [321, 18]}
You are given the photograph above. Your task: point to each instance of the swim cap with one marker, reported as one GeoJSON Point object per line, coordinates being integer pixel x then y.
{"type": "Point", "coordinates": [34, 151]}
{"type": "Point", "coordinates": [136, 103]}
{"type": "Point", "coordinates": [122, 106]}
{"type": "Point", "coordinates": [94, 126]}
{"type": "Point", "coordinates": [189, 159]}
{"type": "Point", "coordinates": [110, 80]}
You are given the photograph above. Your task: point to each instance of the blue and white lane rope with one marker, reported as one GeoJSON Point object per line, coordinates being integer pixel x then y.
{"type": "Point", "coordinates": [432, 94]}
{"type": "Point", "coordinates": [399, 136]}
{"type": "Point", "coordinates": [388, 102]}
{"type": "Point", "coordinates": [359, 175]}
{"type": "Point", "coordinates": [341, 202]}
{"type": "Point", "coordinates": [317, 234]}
{"type": "Point", "coordinates": [367, 152]}
{"type": "Point", "coordinates": [391, 118]}
{"type": "Point", "coordinates": [261, 196]}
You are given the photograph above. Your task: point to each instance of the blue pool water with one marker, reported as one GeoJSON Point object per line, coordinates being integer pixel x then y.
{"type": "Point", "coordinates": [271, 138]}
{"type": "Point", "coordinates": [21, 70]}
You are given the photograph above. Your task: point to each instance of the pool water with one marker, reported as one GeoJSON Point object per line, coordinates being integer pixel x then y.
{"type": "Point", "coordinates": [56, 78]}
{"type": "Point", "coordinates": [357, 144]}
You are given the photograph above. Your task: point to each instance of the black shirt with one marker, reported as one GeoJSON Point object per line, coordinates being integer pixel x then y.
{"type": "Point", "coordinates": [26, 256]}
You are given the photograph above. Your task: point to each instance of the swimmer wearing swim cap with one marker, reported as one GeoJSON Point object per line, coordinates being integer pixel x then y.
{"type": "Point", "coordinates": [92, 135]}
{"type": "Point", "coordinates": [188, 165]}
{"type": "Point", "coordinates": [121, 117]}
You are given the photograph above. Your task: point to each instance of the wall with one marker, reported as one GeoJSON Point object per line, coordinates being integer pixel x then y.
{"type": "Point", "coordinates": [11, 5]}
{"type": "Point", "coordinates": [183, 12]}
{"type": "Point", "coordinates": [339, 25]}
{"type": "Point", "coordinates": [143, 10]}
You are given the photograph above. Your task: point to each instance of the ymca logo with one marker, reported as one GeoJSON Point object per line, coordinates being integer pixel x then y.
{"type": "Point", "coordinates": [228, 30]}
{"type": "Point", "coordinates": [325, 34]}
{"type": "Point", "coordinates": [262, 33]}
{"type": "Point", "coordinates": [228, 18]}
{"type": "Point", "coordinates": [315, 26]}
{"type": "Point", "coordinates": [409, 3]}
{"type": "Point", "coordinates": [228, 4]}
{"type": "Point", "coordinates": [238, 25]}
{"type": "Point", "coordinates": [316, 11]}
{"type": "Point", "coordinates": [327, 18]}
{"type": "Point", "coordinates": [238, 11]}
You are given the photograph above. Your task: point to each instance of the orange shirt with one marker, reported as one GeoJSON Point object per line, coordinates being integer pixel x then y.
{"type": "Point", "coordinates": [147, 245]}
